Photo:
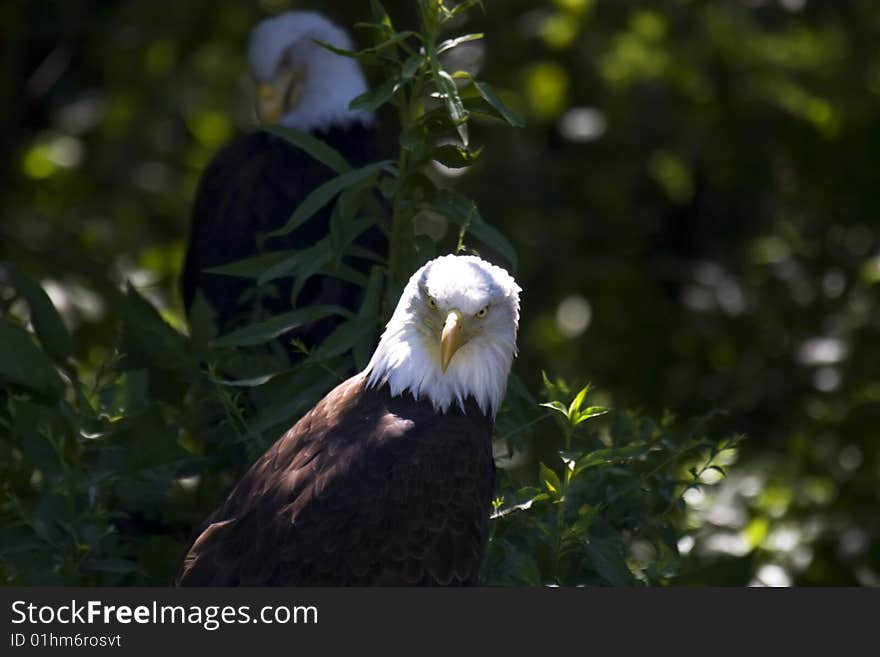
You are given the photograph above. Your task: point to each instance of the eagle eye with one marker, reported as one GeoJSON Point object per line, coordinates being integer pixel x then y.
{"type": "Point", "coordinates": [482, 312]}
{"type": "Point", "coordinates": [431, 303]}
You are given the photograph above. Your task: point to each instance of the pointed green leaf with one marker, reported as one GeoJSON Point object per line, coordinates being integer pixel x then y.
{"type": "Point", "coordinates": [47, 323]}
{"type": "Point", "coordinates": [373, 99]}
{"type": "Point", "coordinates": [463, 212]}
{"type": "Point", "coordinates": [411, 66]}
{"type": "Point", "coordinates": [23, 364]}
{"type": "Point", "coordinates": [252, 267]}
{"type": "Point", "coordinates": [610, 455]}
{"type": "Point", "coordinates": [342, 52]}
{"type": "Point", "coordinates": [449, 44]}
{"type": "Point", "coordinates": [311, 145]}
{"type": "Point", "coordinates": [343, 338]}
{"type": "Point", "coordinates": [270, 329]}
{"type": "Point", "coordinates": [556, 406]}
{"type": "Point", "coordinates": [293, 261]}
{"type": "Point", "coordinates": [489, 95]}
{"type": "Point", "coordinates": [449, 93]}
{"type": "Point", "coordinates": [252, 382]}
{"type": "Point", "coordinates": [590, 412]}
{"type": "Point", "coordinates": [550, 480]}
{"type": "Point", "coordinates": [380, 15]}
{"type": "Point", "coordinates": [608, 559]}
{"type": "Point", "coordinates": [577, 402]}
{"type": "Point", "coordinates": [467, 5]}
{"type": "Point", "coordinates": [321, 196]}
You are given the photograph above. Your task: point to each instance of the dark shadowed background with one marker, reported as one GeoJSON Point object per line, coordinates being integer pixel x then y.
{"type": "Point", "coordinates": [695, 202]}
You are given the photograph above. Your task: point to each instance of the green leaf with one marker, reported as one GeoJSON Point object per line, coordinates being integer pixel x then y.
{"type": "Point", "coordinates": [570, 459]}
{"type": "Point", "coordinates": [397, 38]}
{"type": "Point", "coordinates": [449, 93]}
{"type": "Point", "coordinates": [343, 338]}
{"type": "Point", "coordinates": [372, 295]}
{"type": "Point", "coordinates": [23, 364]}
{"type": "Point", "coordinates": [344, 272]}
{"type": "Point", "coordinates": [577, 401]}
{"type": "Point", "coordinates": [494, 238]}
{"type": "Point", "coordinates": [449, 44]}
{"type": "Point", "coordinates": [321, 196]}
{"type": "Point", "coordinates": [559, 407]}
{"type": "Point", "coordinates": [411, 66]}
{"type": "Point", "coordinates": [252, 382]}
{"type": "Point", "coordinates": [590, 412]}
{"type": "Point", "coordinates": [369, 313]}
{"type": "Point", "coordinates": [465, 6]}
{"type": "Point", "coordinates": [357, 251]}
{"type": "Point", "coordinates": [262, 332]}
{"type": "Point", "coordinates": [47, 323]}
{"type": "Point", "coordinates": [611, 455]}
{"type": "Point", "coordinates": [489, 95]}
{"type": "Point", "coordinates": [454, 156]}
{"type": "Point", "coordinates": [609, 562]}
{"type": "Point", "coordinates": [373, 99]}
{"type": "Point", "coordinates": [314, 147]}
{"type": "Point", "coordinates": [294, 262]}
{"type": "Point", "coordinates": [148, 340]}
{"type": "Point", "coordinates": [411, 138]}
{"type": "Point", "coordinates": [463, 212]}
{"type": "Point", "coordinates": [380, 15]}
{"type": "Point", "coordinates": [311, 266]}
{"type": "Point", "coordinates": [342, 52]}
{"type": "Point", "coordinates": [372, 50]}
{"type": "Point", "coordinates": [550, 480]}
{"type": "Point", "coordinates": [252, 267]}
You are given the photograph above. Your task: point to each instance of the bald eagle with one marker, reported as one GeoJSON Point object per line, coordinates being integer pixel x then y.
{"type": "Point", "coordinates": [253, 185]}
{"type": "Point", "coordinates": [388, 480]}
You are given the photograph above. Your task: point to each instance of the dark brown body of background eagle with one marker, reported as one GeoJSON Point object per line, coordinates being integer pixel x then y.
{"type": "Point", "coordinates": [366, 489]}
{"type": "Point", "coordinates": [251, 187]}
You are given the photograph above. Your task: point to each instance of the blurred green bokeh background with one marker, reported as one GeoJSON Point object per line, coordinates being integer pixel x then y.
{"type": "Point", "coordinates": [695, 203]}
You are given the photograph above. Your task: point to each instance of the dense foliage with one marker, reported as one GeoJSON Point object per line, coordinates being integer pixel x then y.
{"type": "Point", "coordinates": [691, 210]}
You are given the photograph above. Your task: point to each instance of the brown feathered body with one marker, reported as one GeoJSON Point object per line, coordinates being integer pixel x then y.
{"type": "Point", "coordinates": [251, 187]}
{"type": "Point", "coordinates": [366, 489]}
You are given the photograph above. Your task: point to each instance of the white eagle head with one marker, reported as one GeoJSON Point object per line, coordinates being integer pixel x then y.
{"type": "Point", "coordinates": [299, 83]}
{"type": "Point", "coordinates": [452, 336]}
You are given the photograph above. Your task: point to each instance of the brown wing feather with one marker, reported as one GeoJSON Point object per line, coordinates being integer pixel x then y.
{"type": "Point", "coordinates": [365, 489]}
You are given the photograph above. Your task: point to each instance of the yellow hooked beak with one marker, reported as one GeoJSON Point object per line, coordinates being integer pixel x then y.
{"type": "Point", "coordinates": [451, 338]}
{"type": "Point", "coordinates": [277, 98]}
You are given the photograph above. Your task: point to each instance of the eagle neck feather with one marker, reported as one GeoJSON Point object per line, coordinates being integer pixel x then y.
{"type": "Point", "coordinates": [408, 362]}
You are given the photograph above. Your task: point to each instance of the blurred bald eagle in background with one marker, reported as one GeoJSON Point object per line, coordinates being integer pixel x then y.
{"type": "Point", "coordinates": [253, 184]}
{"type": "Point", "coordinates": [389, 479]}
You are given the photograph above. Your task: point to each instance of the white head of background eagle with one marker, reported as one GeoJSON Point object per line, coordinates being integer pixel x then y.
{"type": "Point", "coordinates": [301, 84]}
{"type": "Point", "coordinates": [452, 336]}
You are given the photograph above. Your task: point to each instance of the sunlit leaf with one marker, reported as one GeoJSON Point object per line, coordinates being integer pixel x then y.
{"type": "Point", "coordinates": [550, 480]}
{"type": "Point", "coordinates": [556, 406]}
{"type": "Point", "coordinates": [449, 44]}
{"type": "Point", "coordinates": [450, 96]}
